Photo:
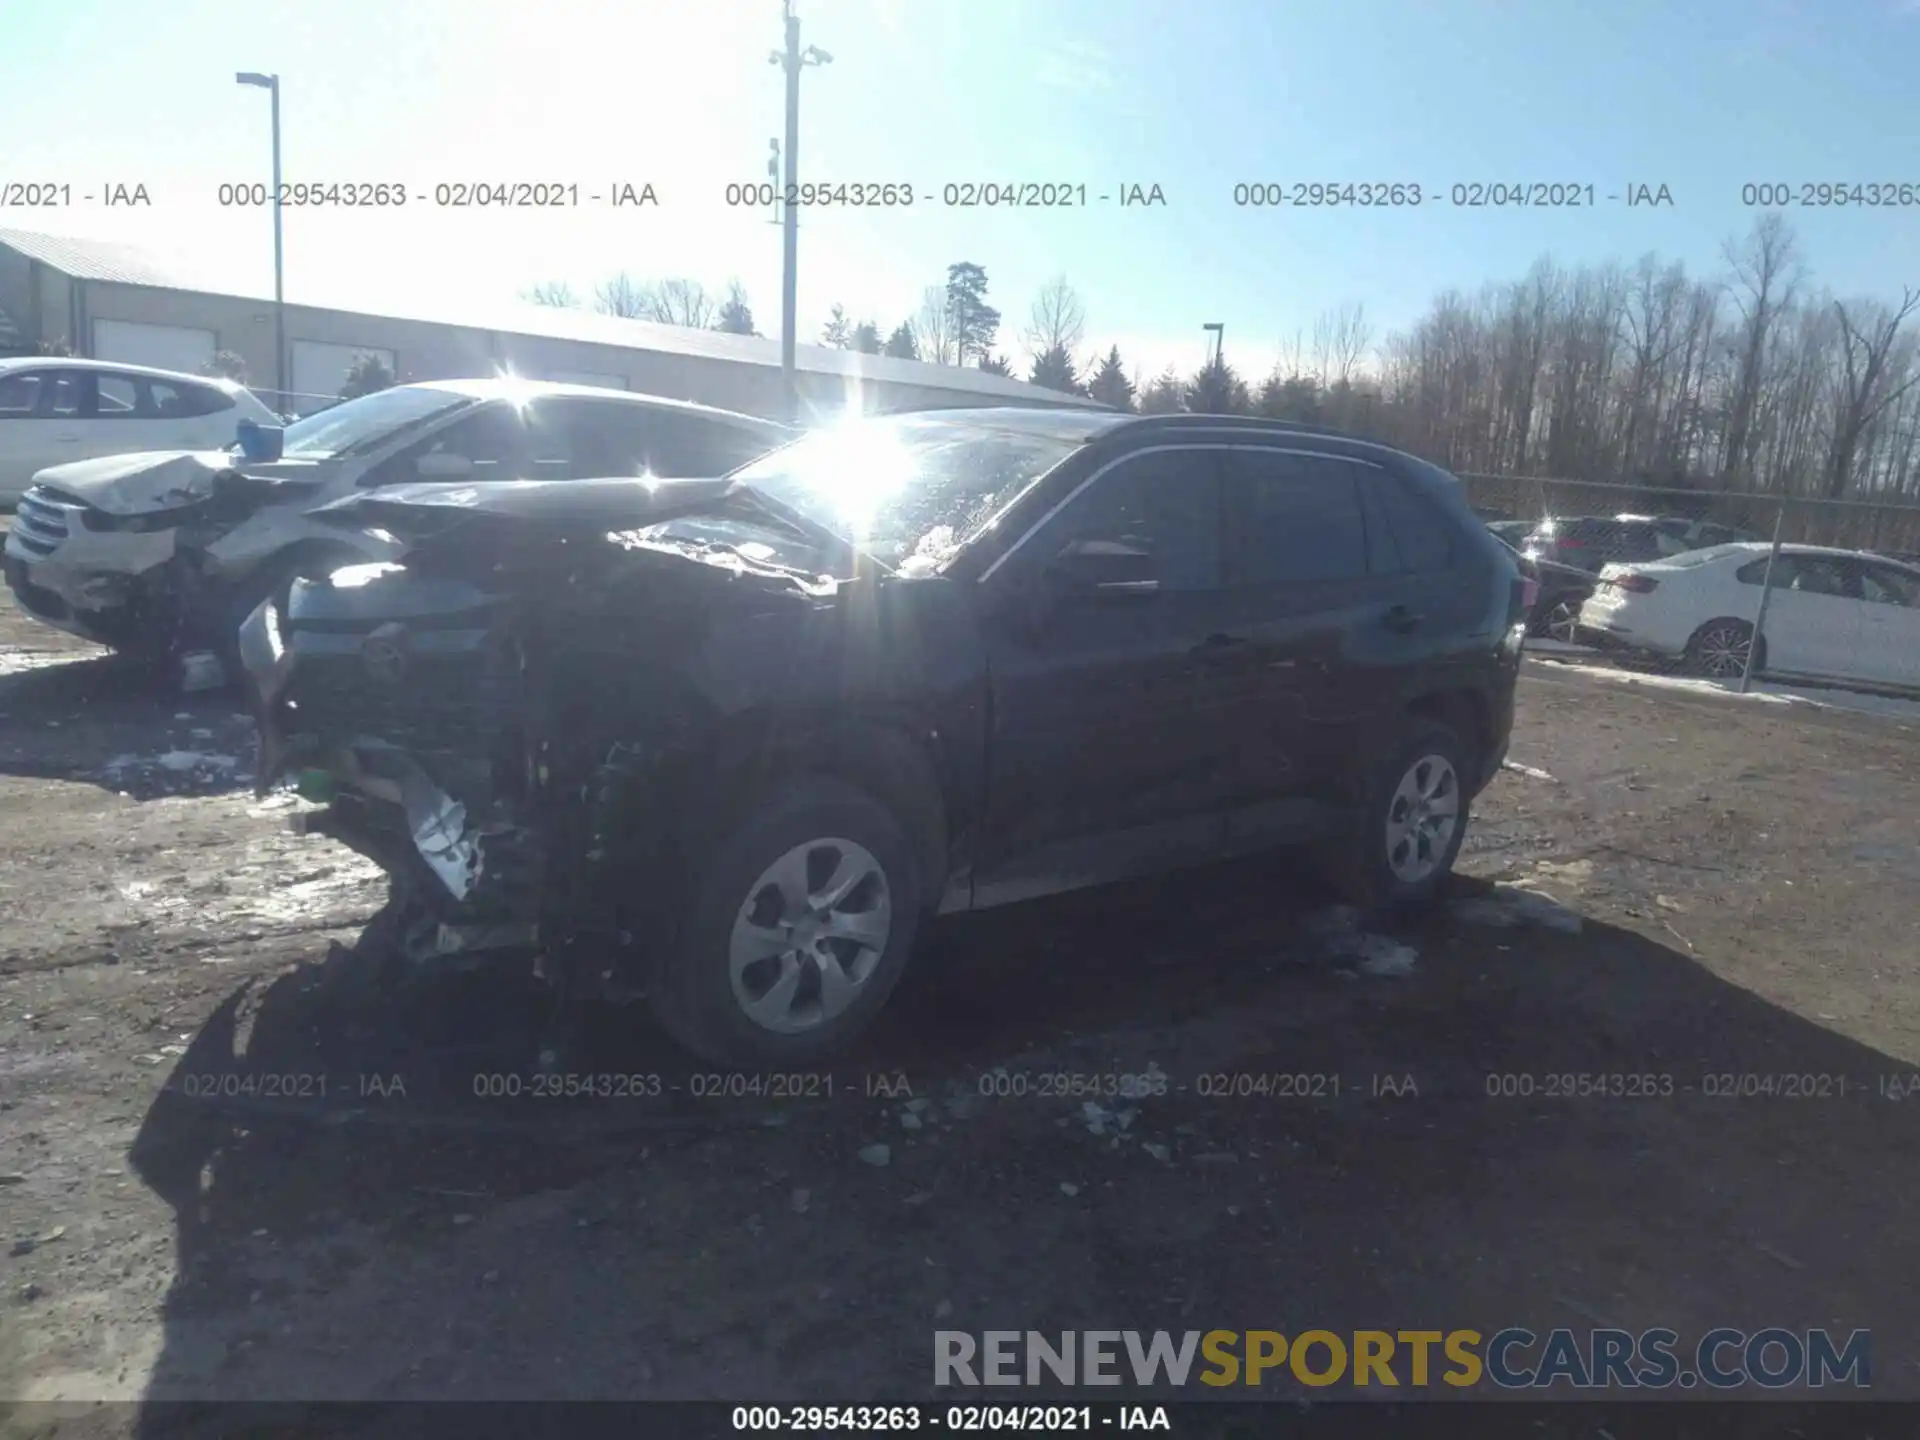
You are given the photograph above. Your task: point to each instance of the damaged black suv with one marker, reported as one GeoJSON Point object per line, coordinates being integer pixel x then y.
{"type": "Point", "coordinates": [728, 743]}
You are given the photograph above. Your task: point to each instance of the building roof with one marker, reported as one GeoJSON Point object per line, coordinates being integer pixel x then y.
{"type": "Point", "coordinates": [130, 265]}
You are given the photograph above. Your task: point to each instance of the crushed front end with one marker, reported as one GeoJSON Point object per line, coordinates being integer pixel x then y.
{"type": "Point", "coordinates": [401, 701]}
{"type": "Point", "coordinates": [500, 722]}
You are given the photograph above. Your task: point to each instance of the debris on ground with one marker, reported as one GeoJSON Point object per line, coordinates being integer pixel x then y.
{"type": "Point", "coordinates": [876, 1155]}
{"type": "Point", "coordinates": [1529, 771]}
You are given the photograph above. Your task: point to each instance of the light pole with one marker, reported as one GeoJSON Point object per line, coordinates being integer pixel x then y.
{"type": "Point", "coordinates": [1218, 330]}
{"type": "Point", "coordinates": [271, 84]}
{"type": "Point", "coordinates": [792, 59]}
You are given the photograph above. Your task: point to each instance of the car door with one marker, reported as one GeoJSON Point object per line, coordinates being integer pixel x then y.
{"type": "Point", "coordinates": [1109, 739]}
{"type": "Point", "coordinates": [1890, 634]}
{"type": "Point", "coordinates": [1814, 623]}
{"type": "Point", "coordinates": [1297, 578]}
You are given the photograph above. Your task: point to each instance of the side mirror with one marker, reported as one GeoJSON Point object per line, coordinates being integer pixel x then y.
{"type": "Point", "coordinates": [259, 443]}
{"type": "Point", "coordinates": [1107, 569]}
{"type": "Point", "coordinates": [441, 465]}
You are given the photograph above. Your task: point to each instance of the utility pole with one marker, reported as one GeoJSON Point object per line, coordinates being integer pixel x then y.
{"type": "Point", "coordinates": [1218, 330]}
{"type": "Point", "coordinates": [792, 59]}
{"type": "Point", "coordinates": [271, 84]}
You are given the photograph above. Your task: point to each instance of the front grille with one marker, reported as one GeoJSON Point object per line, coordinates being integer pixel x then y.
{"type": "Point", "coordinates": [43, 521]}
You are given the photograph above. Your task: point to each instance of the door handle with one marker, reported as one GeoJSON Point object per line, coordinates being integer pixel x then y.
{"type": "Point", "coordinates": [1400, 619]}
{"type": "Point", "coordinates": [67, 439]}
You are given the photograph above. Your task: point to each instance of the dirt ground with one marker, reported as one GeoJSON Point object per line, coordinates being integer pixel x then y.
{"type": "Point", "coordinates": [1675, 885]}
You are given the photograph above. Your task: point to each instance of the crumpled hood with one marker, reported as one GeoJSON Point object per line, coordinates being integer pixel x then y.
{"type": "Point", "coordinates": [149, 480]}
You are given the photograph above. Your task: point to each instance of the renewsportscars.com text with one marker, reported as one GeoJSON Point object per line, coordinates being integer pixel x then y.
{"type": "Point", "coordinates": [1512, 1359]}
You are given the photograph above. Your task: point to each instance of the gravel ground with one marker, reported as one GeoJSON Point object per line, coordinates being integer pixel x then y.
{"type": "Point", "coordinates": [1669, 884]}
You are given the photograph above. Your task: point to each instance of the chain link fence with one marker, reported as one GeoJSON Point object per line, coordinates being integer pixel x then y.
{"type": "Point", "coordinates": [1732, 587]}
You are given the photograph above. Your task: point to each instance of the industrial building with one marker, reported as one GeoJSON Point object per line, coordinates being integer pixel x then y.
{"type": "Point", "coordinates": [116, 302]}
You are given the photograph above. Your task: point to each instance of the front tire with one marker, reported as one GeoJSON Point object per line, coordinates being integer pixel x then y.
{"type": "Point", "coordinates": [1407, 831]}
{"type": "Point", "coordinates": [802, 919]}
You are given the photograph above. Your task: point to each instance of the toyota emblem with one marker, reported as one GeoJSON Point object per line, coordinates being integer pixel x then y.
{"type": "Point", "coordinates": [384, 658]}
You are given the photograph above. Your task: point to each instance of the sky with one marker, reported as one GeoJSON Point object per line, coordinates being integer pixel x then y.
{"type": "Point", "coordinates": [1195, 98]}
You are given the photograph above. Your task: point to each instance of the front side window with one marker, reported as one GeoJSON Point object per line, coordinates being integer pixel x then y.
{"type": "Point", "coordinates": [491, 438]}
{"type": "Point", "coordinates": [355, 426]}
{"type": "Point", "coordinates": [1153, 519]}
{"type": "Point", "coordinates": [1293, 519]}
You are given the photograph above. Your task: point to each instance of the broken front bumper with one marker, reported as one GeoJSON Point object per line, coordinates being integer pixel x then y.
{"type": "Point", "coordinates": [381, 794]}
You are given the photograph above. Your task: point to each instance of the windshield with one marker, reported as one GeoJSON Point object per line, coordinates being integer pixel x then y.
{"type": "Point", "coordinates": [909, 491]}
{"type": "Point", "coordinates": [363, 423]}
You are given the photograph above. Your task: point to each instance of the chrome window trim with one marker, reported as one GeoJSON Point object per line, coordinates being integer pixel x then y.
{"type": "Point", "coordinates": [1081, 488]}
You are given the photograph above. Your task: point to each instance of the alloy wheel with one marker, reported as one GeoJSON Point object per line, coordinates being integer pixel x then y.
{"type": "Point", "coordinates": [1723, 650]}
{"type": "Point", "coordinates": [810, 935]}
{"type": "Point", "coordinates": [1421, 818]}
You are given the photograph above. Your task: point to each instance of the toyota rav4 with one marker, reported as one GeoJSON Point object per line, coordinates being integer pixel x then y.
{"type": "Point", "coordinates": [730, 743]}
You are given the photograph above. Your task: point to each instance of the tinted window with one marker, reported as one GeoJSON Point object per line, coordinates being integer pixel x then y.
{"type": "Point", "coordinates": [19, 393]}
{"type": "Point", "coordinates": [1416, 536]}
{"type": "Point", "coordinates": [490, 437]}
{"type": "Point", "coordinates": [72, 394]}
{"type": "Point", "coordinates": [635, 439]}
{"type": "Point", "coordinates": [685, 447]}
{"type": "Point", "coordinates": [1162, 510]}
{"type": "Point", "coordinates": [119, 397]}
{"type": "Point", "coordinates": [173, 401]}
{"type": "Point", "coordinates": [1755, 572]}
{"type": "Point", "coordinates": [1883, 585]}
{"type": "Point", "coordinates": [1292, 519]}
{"type": "Point", "coordinates": [1821, 575]}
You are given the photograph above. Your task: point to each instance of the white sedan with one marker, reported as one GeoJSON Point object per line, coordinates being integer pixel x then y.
{"type": "Point", "coordinates": [1834, 615]}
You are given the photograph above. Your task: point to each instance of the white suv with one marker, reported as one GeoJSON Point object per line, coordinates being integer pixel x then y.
{"type": "Point", "coordinates": [169, 551]}
{"type": "Point", "coordinates": [53, 410]}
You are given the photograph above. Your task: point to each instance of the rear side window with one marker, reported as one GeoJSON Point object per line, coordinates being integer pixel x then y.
{"type": "Point", "coordinates": [180, 401]}
{"type": "Point", "coordinates": [1292, 519]}
{"type": "Point", "coordinates": [119, 398]}
{"type": "Point", "coordinates": [1416, 536]}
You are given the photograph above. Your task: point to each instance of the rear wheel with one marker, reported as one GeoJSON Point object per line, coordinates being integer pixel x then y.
{"type": "Point", "coordinates": [802, 919]}
{"type": "Point", "coordinates": [1406, 833]}
{"type": "Point", "coordinates": [1719, 649]}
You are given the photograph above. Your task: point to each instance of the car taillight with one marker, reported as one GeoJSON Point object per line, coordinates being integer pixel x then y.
{"type": "Point", "coordinates": [1636, 584]}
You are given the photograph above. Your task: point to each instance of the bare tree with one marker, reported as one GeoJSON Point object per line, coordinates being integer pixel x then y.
{"type": "Point", "coordinates": [1058, 322]}
{"type": "Point", "coordinates": [1340, 338]}
{"type": "Point", "coordinates": [1875, 370]}
{"type": "Point", "coordinates": [621, 295]}
{"type": "Point", "coordinates": [557, 293]}
{"type": "Point", "coordinates": [1766, 274]}
{"type": "Point", "coordinates": [680, 302]}
{"type": "Point", "coordinates": [933, 327]}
